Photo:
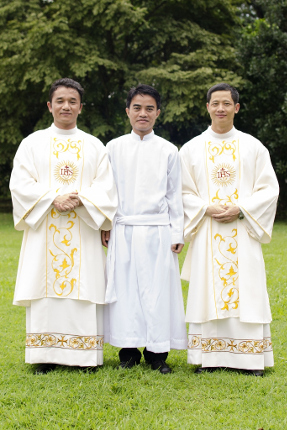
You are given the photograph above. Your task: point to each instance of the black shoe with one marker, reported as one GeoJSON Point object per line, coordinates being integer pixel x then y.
{"type": "Point", "coordinates": [161, 366]}
{"type": "Point", "coordinates": [129, 363]}
{"type": "Point", "coordinates": [256, 372]}
{"type": "Point", "coordinates": [44, 368]}
{"type": "Point", "coordinates": [206, 369]}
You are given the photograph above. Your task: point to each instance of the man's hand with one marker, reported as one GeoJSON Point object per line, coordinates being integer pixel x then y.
{"type": "Point", "coordinates": [105, 237]}
{"type": "Point", "coordinates": [177, 247]}
{"type": "Point", "coordinates": [67, 202]}
{"type": "Point", "coordinates": [215, 210]}
{"type": "Point", "coordinates": [230, 214]}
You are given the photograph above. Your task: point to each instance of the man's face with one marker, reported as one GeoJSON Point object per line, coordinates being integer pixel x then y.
{"type": "Point", "coordinates": [65, 107]}
{"type": "Point", "coordinates": [222, 109]}
{"type": "Point", "coordinates": [142, 114]}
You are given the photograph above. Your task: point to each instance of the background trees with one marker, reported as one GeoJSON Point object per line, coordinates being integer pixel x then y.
{"type": "Point", "coordinates": [181, 47]}
{"type": "Point", "coordinates": [263, 55]}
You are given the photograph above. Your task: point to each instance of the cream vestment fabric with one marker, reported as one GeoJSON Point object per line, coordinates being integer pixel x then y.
{"type": "Point", "coordinates": [224, 262]}
{"type": "Point", "coordinates": [61, 256]}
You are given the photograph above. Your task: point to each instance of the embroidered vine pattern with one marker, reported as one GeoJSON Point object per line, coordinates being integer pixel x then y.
{"type": "Point", "coordinates": [216, 149]}
{"type": "Point", "coordinates": [228, 270]}
{"type": "Point", "coordinates": [225, 200]}
{"type": "Point", "coordinates": [239, 346]}
{"type": "Point", "coordinates": [61, 145]}
{"type": "Point", "coordinates": [63, 256]}
{"type": "Point", "coordinates": [40, 340]}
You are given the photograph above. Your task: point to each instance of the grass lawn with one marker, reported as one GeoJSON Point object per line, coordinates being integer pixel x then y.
{"type": "Point", "coordinates": [139, 398]}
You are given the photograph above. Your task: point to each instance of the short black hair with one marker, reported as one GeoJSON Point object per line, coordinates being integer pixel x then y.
{"type": "Point", "coordinates": [223, 87]}
{"type": "Point", "coordinates": [143, 89]}
{"type": "Point", "coordinates": [66, 82]}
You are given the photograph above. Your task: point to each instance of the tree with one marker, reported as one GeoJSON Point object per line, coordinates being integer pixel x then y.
{"type": "Point", "coordinates": [263, 54]}
{"type": "Point", "coordinates": [180, 47]}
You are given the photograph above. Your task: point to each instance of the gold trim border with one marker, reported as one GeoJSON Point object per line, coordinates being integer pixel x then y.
{"type": "Point", "coordinates": [64, 341]}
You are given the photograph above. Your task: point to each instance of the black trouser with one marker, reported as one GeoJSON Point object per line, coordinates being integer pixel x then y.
{"type": "Point", "coordinates": [126, 354]}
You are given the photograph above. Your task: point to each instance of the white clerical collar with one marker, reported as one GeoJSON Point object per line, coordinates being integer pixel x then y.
{"type": "Point", "coordinates": [63, 131]}
{"type": "Point", "coordinates": [146, 137]}
{"type": "Point", "coordinates": [222, 136]}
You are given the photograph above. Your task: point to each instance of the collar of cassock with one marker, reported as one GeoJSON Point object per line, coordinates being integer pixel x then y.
{"type": "Point", "coordinates": [63, 131]}
{"type": "Point", "coordinates": [146, 137]}
{"type": "Point", "coordinates": [222, 136]}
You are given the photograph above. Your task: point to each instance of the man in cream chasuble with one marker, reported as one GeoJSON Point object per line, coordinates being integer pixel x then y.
{"type": "Point", "coordinates": [63, 193]}
{"type": "Point", "coordinates": [229, 195]}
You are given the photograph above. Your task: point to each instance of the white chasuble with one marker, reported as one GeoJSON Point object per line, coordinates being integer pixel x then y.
{"type": "Point", "coordinates": [61, 255]}
{"type": "Point", "coordinates": [224, 262]}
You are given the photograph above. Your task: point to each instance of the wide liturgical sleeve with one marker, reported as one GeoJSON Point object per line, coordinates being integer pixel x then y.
{"type": "Point", "coordinates": [31, 197]}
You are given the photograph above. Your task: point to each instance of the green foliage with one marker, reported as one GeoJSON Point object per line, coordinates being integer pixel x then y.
{"type": "Point", "coordinates": [263, 54]}
{"type": "Point", "coordinates": [180, 47]}
{"type": "Point", "coordinates": [113, 399]}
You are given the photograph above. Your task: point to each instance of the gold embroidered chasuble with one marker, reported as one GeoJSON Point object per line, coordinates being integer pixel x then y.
{"type": "Point", "coordinates": [230, 169]}
{"type": "Point", "coordinates": [61, 254]}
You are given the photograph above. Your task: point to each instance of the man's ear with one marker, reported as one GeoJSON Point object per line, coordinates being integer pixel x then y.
{"type": "Point", "coordinates": [49, 104]}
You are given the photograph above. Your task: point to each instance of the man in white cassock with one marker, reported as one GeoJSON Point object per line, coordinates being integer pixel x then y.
{"type": "Point", "coordinates": [63, 193]}
{"type": "Point", "coordinates": [144, 291]}
{"type": "Point", "coordinates": [229, 196]}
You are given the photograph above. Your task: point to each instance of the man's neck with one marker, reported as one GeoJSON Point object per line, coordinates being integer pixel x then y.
{"type": "Point", "coordinates": [221, 130]}
{"type": "Point", "coordinates": [142, 134]}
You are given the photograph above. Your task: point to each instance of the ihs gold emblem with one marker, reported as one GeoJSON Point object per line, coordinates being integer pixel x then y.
{"type": "Point", "coordinates": [66, 172]}
{"type": "Point", "coordinates": [223, 175]}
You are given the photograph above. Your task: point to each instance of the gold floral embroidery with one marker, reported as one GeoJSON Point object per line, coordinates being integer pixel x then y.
{"type": "Point", "coordinates": [63, 257]}
{"type": "Point", "coordinates": [228, 270]}
{"type": "Point", "coordinates": [227, 148]}
{"type": "Point", "coordinates": [237, 346]}
{"type": "Point", "coordinates": [67, 341]}
{"type": "Point", "coordinates": [226, 199]}
{"type": "Point", "coordinates": [194, 341]}
{"type": "Point", "coordinates": [61, 145]}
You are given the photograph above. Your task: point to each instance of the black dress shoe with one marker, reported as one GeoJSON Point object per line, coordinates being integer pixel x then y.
{"type": "Point", "coordinates": [129, 363]}
{"type": "Point", "coordinates": [161, 366]}
{"type": "Point", "coordinates": [256, 372]}
{"type": "Point", "coordinates": [44, 368]}
{"type": "Point", "coordinates": [206, 369]}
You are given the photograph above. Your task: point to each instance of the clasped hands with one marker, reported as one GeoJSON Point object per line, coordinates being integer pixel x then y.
{"type": "Point", "coordinates": [67, 202]}
{"type": "Point", "coordinates": [223, 213]}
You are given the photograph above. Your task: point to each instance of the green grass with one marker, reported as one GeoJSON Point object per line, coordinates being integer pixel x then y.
{"type": "Point", "coordinates": [139, 398]}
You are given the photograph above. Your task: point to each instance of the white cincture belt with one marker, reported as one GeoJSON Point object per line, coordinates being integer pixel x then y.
{"type": "Point", "coordinates": [134, 220]}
